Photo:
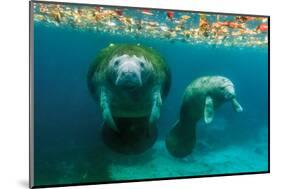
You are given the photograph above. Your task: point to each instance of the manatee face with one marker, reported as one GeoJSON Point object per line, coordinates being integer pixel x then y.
{"type": "Point", "coordinates": [129, 72]}
{"type": "Point", "coordinates": [224, 87]}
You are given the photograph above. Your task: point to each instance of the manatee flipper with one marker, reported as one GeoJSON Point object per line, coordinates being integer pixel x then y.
{"type": "Point", "coordinates": [155, 111]}
{"type": "Point", "coordinates": [106, 113]}
{"type": "Point", "coordinates": [181, 139]}
{"type": "Point", "coordinates": [209, 110]}
{"type": "Point", "coordinates": [236, 106]}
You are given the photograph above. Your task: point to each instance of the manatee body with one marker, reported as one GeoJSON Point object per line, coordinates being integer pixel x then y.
{"type": "Point", "coordinates": [129, 82]}
{"type": "Point", "coordinates": [201, 98]}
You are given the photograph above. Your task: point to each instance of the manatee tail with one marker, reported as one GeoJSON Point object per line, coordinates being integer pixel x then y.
{"type": "Point", "coordinates": [181, 139]}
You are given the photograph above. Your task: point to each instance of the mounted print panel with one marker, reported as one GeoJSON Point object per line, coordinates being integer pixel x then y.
{"type": "Point", "coordinates": [122, 94]}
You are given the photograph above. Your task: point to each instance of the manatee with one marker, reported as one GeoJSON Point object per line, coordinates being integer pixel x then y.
{"type": "Point", "coordinates": [130, 83]}
{"type": "Point", "coordinates": [201, 98]}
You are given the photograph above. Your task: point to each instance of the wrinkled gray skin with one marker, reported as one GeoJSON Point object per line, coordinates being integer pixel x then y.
{"type": "Point", "coordinates": [201, 98]}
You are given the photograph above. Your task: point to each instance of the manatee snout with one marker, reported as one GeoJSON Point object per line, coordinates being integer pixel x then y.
{"type": "Point", "coordinates": [129, 75]}
{"type": "Point", "coordinates": [230, 92]}
{"type": "Point", "coordinates": [230, 96]}
{"type": "Point", "coordinates": [221, 87]}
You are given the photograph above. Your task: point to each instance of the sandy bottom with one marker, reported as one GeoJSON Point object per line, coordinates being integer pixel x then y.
{"type": "Point", "coordinates": [210, 156]}
{"type": "Point", "coordinates": [158, 163]}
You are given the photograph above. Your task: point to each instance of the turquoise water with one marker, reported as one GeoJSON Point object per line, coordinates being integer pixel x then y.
{"type": "Point", "coordinates": [68, 145]}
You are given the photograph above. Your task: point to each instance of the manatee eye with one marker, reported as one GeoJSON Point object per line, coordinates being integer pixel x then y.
{"type": "Point", "coordinates": [142, 64]}
{"type": "Point", "coordinates": [116, 63]}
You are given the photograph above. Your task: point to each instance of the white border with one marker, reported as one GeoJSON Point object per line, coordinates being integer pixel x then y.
{"type": "Point", "coordinates": [14, 90]}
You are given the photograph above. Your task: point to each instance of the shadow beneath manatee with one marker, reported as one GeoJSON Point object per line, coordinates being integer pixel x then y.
{"type": "Point", "coordinates": [132, 145]}
{"type": "Point", "coordinates": [135, 136]}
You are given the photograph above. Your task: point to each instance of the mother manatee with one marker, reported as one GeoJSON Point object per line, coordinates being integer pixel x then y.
{"type": "Point", "coordinates": [201, 98]}
{"type": "Point", "coordinates": [129, 82]}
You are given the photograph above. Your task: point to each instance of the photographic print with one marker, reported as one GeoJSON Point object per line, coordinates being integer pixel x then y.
{"type": "Point", "coordinates": [122, 94]}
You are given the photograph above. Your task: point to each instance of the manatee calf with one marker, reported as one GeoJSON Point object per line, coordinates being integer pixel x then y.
{"type": "Point", "coordinates": [201, 98]}
{"type": "Point", "coordinates": [130, 83]}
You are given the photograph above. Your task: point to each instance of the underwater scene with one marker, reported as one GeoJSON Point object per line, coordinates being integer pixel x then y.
{"type": "Point", "coordinates": [127, 94]}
